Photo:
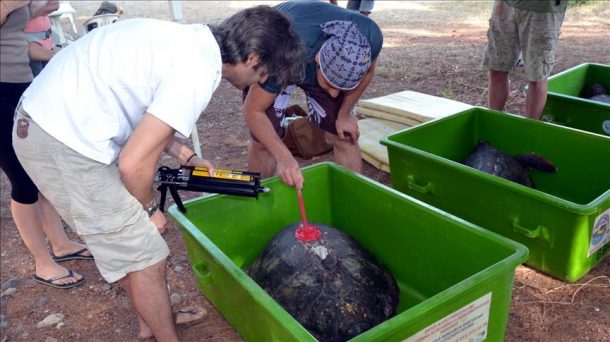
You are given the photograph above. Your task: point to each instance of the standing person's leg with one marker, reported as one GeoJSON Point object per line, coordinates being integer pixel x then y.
{"type": "Point", "coordinates": [28, 221]}
{"type": "Point", "coordinates": [353, 5]}
{"type": "Point", "coordinates": [539, 34]}
{"type": "Point", "coordinates": [366, 7]}
{"type": "Point", "coordinates": [535, 99]}
{"type": "Point", "coordinates": [61, 245]}
{"type": "Point", "coordinates": [25, 203]}
{"type": "Point", "coordinates": [501, 53]}
{"type": "Point", "coordinates": [323, 111]}
{"type": "Point", "coordinates": [149, 295]}
{"type": "Point", "coordinates": [182, 317]}
{"type": "Point", "coordinates": [498, 89]}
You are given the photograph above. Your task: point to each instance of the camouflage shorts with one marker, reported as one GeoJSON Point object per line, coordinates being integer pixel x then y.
{"type": "Point", "coordinates": [533, 34]}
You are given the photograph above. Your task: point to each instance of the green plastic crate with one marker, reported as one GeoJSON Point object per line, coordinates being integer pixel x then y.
{"type": "Point", "coordinates": [451, 273]}
{"type": "Point", "coordinates": [555, 221]}
{"type": "Point", "coordinates": [565, 107]}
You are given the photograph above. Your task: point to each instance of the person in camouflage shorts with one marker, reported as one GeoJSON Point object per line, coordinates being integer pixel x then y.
{"type": "Point", "coordinates": [529, 27]}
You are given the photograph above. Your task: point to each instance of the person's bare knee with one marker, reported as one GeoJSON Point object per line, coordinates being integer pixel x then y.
{"type": "Point", "coordinates": [497, 75]}
{"type": "Point", "coordinates": [345, 151]}
{"type": "Point", "coordinates": [157, 270]}
{"type": "Point", "coordinates": [537, 86]}
{"type": "Point", "coordinates": [260, 160]}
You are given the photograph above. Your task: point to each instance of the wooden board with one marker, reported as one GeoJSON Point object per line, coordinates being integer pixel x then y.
{"type": "Point", "coordinates": [371, 131]}
{"type": "Point", "coordinates": [414, 105]}
{"type": "Point", "coordinates": [374, 113]}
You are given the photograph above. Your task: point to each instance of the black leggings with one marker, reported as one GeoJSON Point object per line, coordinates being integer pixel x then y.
{"type": "Point", "coordinates": [23, 189]}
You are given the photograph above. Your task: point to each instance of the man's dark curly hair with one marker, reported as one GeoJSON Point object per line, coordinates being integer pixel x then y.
{"type": "Point", "coordinates": [268, 32]}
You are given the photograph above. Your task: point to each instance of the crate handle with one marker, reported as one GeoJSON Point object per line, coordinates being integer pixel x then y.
{"type": "Point", "coordinates": [540, 232]}
{"type": "Point", "coordinates": [424, 189]}
{"type": "Point", "coordinates": [204, 275]}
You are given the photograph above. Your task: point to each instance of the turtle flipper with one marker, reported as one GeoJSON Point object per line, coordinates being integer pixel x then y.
{"type": "Point", "coordinates": [534, 161]}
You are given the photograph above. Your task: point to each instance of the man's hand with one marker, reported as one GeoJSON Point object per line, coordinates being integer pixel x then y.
{"type": "Point", "coordinates": [347, 127]}
{"type": "Point", "coordinates": [158, 218]}
{"type": "Point", "coordinates": [289, 172]}
{"type": "Point", "coordinates": [196, 161]}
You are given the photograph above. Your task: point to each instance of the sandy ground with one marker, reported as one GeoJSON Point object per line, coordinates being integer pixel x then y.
{"type": "Point", "coordinates": [430, 47]}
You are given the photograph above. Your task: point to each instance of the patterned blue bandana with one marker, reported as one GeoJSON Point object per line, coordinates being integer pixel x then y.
{"type": "Point", "coordinates": [345, 57]}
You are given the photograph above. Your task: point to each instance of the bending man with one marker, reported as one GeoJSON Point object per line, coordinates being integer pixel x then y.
{"type": "Point", "coordinates": [341, 51]}
{"type": "Point", "coordinates": [93, 147]}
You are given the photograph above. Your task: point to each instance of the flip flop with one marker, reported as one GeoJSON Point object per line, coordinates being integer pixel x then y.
{"type": "Point", "coordinates": [78, 255]}
{"type": "Point", "coordinates": [189, 310]}
{"type": "Point", "coordinates": [59, 286]}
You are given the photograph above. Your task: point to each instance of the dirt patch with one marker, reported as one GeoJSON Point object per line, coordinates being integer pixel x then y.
{"type": "Point", "coordinates": [430, 47]}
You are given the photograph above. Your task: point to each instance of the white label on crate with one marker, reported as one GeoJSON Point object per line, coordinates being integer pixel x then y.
{"type": "Point", "coordinates": [469, 323]}
{"type": "Point", "coordinates": [600, 235]}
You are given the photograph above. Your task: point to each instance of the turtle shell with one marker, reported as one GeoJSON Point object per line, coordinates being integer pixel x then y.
{"type": "Point", "coordinates": [488, 159]}
{"type": "Point", "coordinates": [333, 286]}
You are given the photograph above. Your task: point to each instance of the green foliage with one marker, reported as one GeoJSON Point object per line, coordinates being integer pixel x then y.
{"type": "Point", "coordinates": [448, 92]}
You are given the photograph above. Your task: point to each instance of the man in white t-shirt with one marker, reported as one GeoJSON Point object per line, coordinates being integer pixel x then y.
{"type": "Point", "coordinates": [92, 126]}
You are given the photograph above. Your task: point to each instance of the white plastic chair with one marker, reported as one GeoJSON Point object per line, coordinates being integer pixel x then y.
{"type": "Point", "coordinates": [65, 11]}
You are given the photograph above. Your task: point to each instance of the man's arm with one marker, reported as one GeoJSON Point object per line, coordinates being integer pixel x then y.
{"type": "Point", "coordinates": [257, 101]}
{"type": "Point", "coordinates": [138, 159]}
{"type": "Point", "coordinates": [346, 122]}
{"type": "Point", "coordinates": [187, 156]}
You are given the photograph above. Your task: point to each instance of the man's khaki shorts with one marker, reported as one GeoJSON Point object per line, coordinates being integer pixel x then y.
{"type": "Point", "coordinates": [534, 34]}
{"type": "Point", "coordinates": [92, 199]}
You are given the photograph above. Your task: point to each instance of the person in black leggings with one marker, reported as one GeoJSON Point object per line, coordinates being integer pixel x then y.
{"type": "Point", "coordinates": [34, 216]}
{"type": "Point", "coordinates": [23, 189]}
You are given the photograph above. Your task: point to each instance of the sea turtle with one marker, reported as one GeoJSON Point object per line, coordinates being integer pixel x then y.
{"type": "Point", "coordinates": [488, 159]}
{"type": "Point", "coordinates": [333, 286]}
{"type": "Point", "coordinates": [596, 92]}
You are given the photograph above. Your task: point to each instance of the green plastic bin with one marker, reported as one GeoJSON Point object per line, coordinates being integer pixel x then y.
{"type": "Point", "coordinates": [565, 107]}
{"type": "Point", "coordinates": [564, 222]}
{"type": "Point", "coordinates": [454, 277]}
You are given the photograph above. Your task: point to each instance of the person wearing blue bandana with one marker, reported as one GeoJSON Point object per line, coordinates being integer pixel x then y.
{"type": "Point", "coordinates": [341, 50]}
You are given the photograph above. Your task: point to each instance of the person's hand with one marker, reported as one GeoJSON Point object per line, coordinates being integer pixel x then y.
{"type": "Point", "coordinates": [11, 5]}
{"type": "Point", "coordinates": [289, 172]}
{"type": "Point", "coordinates": [158, 218]}
{"type": "Point", "coordinates": [347, 127]}
{"type": "Point", "coordinates": [8, 6]}
{"type": "Point", "coordinates": [196, 161]}
{"type": "Point", "coordinates": [39, 8]}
